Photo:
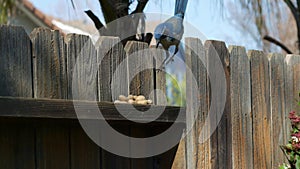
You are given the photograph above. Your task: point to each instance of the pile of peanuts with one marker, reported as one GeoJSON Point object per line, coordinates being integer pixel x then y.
{"type": "Point", "coordinates": [132, 99]}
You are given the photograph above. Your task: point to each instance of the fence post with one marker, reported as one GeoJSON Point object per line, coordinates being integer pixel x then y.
{"type": "Point", "coordinates": [277, 94]}
{"type": "Point", "coordinates": [50, 81]}
{"type": "Point", "coordinates": [112, 63]}
{"type": "Point", "coordinates": [221, 139]}
{"type": "Point", "coordinates": [82, 86]}
{"type": "Point", "coordinates": [139, 57]}
{"type": "Point", "coordinates": [16, 80]}
{"type": "Point", "coordinates": [260, 86]}
{"type": "Point", "coordinates": [110, 54]}
{"type": "Point", "coordinates": [241, 118]}
{"type": "Point", "coordinates": [197, 154]}
{"type": "Point", "coordinates": [160, 76]}
{"type": "Point", "coordinates": [292, 86]}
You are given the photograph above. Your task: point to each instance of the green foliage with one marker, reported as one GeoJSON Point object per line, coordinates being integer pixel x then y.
{"type": "Point", "coordinates": [292, 149]}
{"type": "Point", "coordinates": [176, 91]}
{"type": "Point", "coordinates": [6, 7]}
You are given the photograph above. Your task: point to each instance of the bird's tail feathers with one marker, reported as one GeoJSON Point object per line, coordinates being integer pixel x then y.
{"type": "Point", "coordinates": [180, 7]}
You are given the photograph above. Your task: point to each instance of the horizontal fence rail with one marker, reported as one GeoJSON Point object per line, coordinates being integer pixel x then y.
{"type": "Point", "coordinates": [259, 91]}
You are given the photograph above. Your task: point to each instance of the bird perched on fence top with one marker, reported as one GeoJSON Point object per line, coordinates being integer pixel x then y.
{"type": "Point", "coordinates": [170, 32]}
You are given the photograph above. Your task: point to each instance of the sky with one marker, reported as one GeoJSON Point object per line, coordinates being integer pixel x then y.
{"type": "Point", "coordinates": [205, 15]}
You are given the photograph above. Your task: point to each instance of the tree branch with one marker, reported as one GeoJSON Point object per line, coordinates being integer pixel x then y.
{"type": "Point", "coordinates": [140, 6]}
{"type": "Point", "coordinates": [276, 42]}
{"type": "Point", "coordinates": [293, 9]}
{"type": "Point", "coordinates": [95, 19]}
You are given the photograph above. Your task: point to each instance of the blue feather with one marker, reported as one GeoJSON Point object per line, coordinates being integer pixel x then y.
{"type": "Point", "coordinates": [170, 32]}
{"type": "Point", "coordinates": [180, 7]}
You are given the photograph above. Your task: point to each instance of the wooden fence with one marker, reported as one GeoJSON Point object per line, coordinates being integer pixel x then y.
{"type": "Point", "coordinates": [261, 91]}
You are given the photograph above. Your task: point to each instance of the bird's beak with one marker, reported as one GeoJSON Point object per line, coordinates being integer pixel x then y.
{"type": "Point", "coordinates": [157, 44]}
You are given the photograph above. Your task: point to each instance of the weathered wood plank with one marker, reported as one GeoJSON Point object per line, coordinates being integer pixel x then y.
{"type": "Point", "coordinates": [112, 68]}
{"type": "Point", "coordinates": [219, 87]}
{"type": "Point", "coordinates": [292, 87]}
{"type": "Point", "coordinates": [50, 81]}
{"type": "Point", "coordinates": [16, 62]}
{"type": "Point", "coordinates": [198, 149]}
{"type": "Point", "coordinates": [141, 82]}
{"type": "Point", "coordinates": [16, 142]}
{"type": "Point", "coordinates": [64, 109]}
{"type": "Point", "coordinates": [260, 87]}
{"type": "Point", "coordinates": [277, 79]}
{"type": "Point", "coordinates": [49, 66]}
{"type": "Point", "coordinates": [52, 146]}
{"type": "Point", "coordinates": [160, 76]}
{"type": "Point", "coordinates": [180, 159]}
{"type": "Point", "coordinates": [110, 160]}
{"type": "Point", "coordinates": [82, 85]}
{"type": "Point", "coordinates": [84, 152]}
{"type": "Point", "coordinates": [139, 58]}
{"type": "Point", "coordinates": [241, 118]}
{"type": "Point", "coordinates": [17, 146]}
{"type": "Point", "coordinates": [81, 68]}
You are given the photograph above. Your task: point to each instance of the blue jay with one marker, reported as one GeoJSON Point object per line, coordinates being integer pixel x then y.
{"type": "Point", "coordinates": [170, 32]}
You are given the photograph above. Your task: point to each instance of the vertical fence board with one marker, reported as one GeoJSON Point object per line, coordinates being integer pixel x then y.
{"type": "Point", "coordinates": [49, 66]}
{"type": "Point", "coordinates": [292, 87]}
{"type": "Point", "coordinates": [180, 159]}
{"type": "Point", "coordinates": [221, 139]}
{"type": "Point", "coordinates": [16, 141]}
{"type": "Point", "coordinates": [277, 78]}
{"type": "Point", "coordinates": [241, 119]}
{"type": "Point", "coordinates": [261, 109]}
{"type": "Point", "coordinates": [15, 65]}
{"type": "Point", "coordinates": [198, 150]}
{"type": "Point", "coordinates": [82, 76]}
{"type": "Point", "coordinates": [112, 65]}
{"type": "Point", "coordinates": [113, 161]}
{"type": "Point", "coordinates": [50, 81]}
{"type": "Point", "coordinates": [139, 57]}
{"type": "Point", "coordinates": [81, 68]}
{"type": "Point", "coordinates": [52, 146]}
{"type": "Point", "coordinates": [160, 76]}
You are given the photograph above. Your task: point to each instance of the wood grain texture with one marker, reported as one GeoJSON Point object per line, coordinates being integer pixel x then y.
{"type": "Point", "coordinates": [180, 160]}
{"type": "Point", "coordinates": [277, 80]}
{"type": "Point", "coordinates": [82, 85]}
{"type": "Point", "coordinates": [83, 151]}
{"type": "Point", "coordinates": [260, 86]}
{"type": "Point", "coordinates": [198, 149]}
{"type": "Point", "coordinates": [17, 146]}
{"type": "Point", "coordinates": [111, 160]}
{"type": "Point", "coordinates": [16, 63]}
{"type": "Point", "coordinates": [241, 117]}
{"type": "Point", "coordinates": [219, 76]}
{"type": "Point", "coordinates": [52, 146]}
{"type": "Point", "coordinates": [16, 141]}
{"type": "Point", "coordinates": [50, 81]}
{"type": "Point", "coordinates": [292, 87]}
{"type": "Point", "coordinates": [81, 68]}
{"type": "Point", "coordinates": [112, 68]}
{"type": "Point", "coordinates": [49, 65]}
{"type": "Point", "coordinates": [141, 82]}
{"type": "Point", "coordinates": [140, 79]}
{"type": "Point", "coordinates": [160, 75]}
{"type": "Point", "coordinates": [64, 109]}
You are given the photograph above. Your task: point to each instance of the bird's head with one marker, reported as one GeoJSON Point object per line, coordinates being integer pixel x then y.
{"type": "Point", "coordinates": [159, 31]}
